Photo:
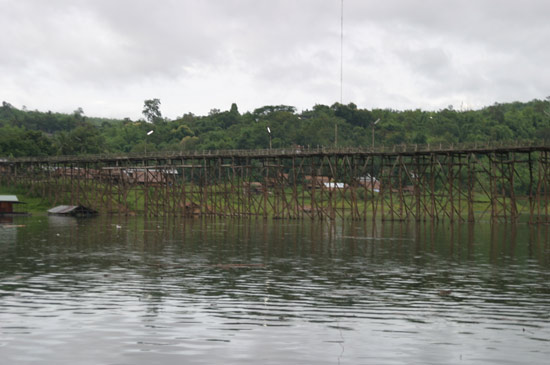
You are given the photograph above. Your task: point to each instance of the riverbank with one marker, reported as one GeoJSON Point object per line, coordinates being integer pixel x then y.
{"type": "Point", "coordinates": [32, 205]}
{"type": "Point", "coordinates": [37, 205]}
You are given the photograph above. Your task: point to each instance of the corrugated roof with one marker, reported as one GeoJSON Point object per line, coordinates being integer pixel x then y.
{"type": "Point", "coordinates": [9, 198]}
{"type": "Point", "coordinates": [62, 209]}
{"type": "Point", "coordinates": [71, 209]}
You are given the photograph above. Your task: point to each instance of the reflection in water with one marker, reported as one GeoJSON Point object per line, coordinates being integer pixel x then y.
{"type": "Point", "coordinates": [131, 291]}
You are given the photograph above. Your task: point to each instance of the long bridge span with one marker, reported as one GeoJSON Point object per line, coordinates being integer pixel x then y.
{"type": "Point", "coordinates": [457, 183]}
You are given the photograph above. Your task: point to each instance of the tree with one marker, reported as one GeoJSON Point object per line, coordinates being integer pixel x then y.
{"type": "Point", "coordinates": [79, 114]}
{"type": "Point", "coordinates": [151, 110]}
{"type": "Point", "coordinates": [84, 139]}
{"type": "Point", "coordinates": [6, 105]}
{"type": "Point", "coordinates": [268, 109]}
{"type": "Point", "coordinates": [234, 109]}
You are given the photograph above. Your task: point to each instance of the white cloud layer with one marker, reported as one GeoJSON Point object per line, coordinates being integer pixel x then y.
{"type": "Point", "coordinates": [107, 56]}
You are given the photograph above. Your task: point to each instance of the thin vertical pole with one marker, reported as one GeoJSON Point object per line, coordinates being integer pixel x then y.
{"type": "Point", "coordinates": [341, 51]}
{"type": "Point", "coordinates": [531, 207]}
{"type": "Point", "coordinates": [471, 177]}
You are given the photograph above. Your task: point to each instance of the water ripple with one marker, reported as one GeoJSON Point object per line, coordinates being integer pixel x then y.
{"type": "Point", "coordinates": [273, 292]}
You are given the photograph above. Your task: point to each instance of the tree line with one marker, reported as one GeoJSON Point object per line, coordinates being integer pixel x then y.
{"type": "Point", "coordinates": [36, 133]}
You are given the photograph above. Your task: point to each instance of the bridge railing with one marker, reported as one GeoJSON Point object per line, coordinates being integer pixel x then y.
{"type": "Point", "coordinates": [296, 151]}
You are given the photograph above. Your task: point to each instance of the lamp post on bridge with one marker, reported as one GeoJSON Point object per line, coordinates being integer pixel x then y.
{"type": "Point", "coordinates": [269, 132]}
{"type": "Point", "coordinates": [148, 134]}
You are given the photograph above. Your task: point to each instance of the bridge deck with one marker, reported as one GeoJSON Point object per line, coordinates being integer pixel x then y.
{"type": "Point", "coordinates": [396, 150]}
{"type": "Point", "coordinates": [456, 182]}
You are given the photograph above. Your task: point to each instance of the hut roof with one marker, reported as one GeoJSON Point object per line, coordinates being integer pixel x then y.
{"type": "Point", "coordinates": [71, 210]}
{"type": "Point", "coordinates": [10, 199]}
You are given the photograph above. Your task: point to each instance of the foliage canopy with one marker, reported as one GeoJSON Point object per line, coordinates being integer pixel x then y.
{"type": "Point", "coordinates": [35, 133]}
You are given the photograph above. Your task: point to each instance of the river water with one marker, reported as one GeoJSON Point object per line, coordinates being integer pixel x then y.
{"type": "Point", "coordinates": [135, 291]}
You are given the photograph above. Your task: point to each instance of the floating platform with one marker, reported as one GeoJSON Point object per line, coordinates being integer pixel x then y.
{"type": "Point", "coordinates": [73, 210]}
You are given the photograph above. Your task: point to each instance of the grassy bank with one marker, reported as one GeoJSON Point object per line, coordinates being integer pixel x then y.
{"type": "Point", "coordinates": [339, 204]}
{"type": "Point", "coordinates": [33, 204]}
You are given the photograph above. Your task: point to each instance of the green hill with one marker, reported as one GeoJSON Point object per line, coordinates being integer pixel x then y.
{"type": "Point", "coordinates": [35, 133]}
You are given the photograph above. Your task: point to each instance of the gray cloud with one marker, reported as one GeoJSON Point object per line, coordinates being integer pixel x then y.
{"type": "Point", "coordinates": [108, 56]}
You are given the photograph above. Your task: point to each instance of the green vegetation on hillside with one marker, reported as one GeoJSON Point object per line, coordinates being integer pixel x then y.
{"type": "Point", "coordinates": [34, 133]}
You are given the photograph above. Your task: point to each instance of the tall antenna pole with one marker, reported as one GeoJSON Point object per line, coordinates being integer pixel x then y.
{"type": "Point", "coordinates": [341, 49]}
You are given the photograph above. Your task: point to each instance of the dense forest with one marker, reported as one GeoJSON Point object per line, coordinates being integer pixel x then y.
{"type": "Point", "coordinates": [35, 133]}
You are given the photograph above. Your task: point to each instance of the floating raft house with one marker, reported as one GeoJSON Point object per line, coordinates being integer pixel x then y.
{"type": "Point", "coordinates": [6, 204]}
{"type": "Point", "coordinates": [72, 210]}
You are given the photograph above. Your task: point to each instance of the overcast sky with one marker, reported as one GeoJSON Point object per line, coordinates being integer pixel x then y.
{"type": "Point", "coordinates": [108, 56]}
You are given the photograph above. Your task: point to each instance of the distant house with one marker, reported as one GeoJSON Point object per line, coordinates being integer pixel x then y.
{"type": "Point", "coordinates": [7, 202]}
{"type": "Point", "coordinates": [253, 187]}
{"type": "Point", "coordinates": [114, 174]}
{"type": "Point", "coordinates": [75, 172]}
{"type": "Point", "coordinates": [334, 185]}
{"type": "Point", "coordinates": [317, 181]}
{"type": "Point", "coordinates": [72, 210]}
{"type": "Point", "coordinates": [370, 183]}
{"type": "Point", "coordinates": [277, 180]}
{"type": "Point", "coordinates": [151, 176]}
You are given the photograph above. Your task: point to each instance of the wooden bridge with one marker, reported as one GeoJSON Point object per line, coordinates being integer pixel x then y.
{"type": "Point", "coordinates": [466, 182]}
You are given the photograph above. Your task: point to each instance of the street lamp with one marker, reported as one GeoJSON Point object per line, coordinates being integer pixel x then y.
{"type": "Point", "coordinates": [373, 124]}
{"type": "Point", "coordinates": [269, 132]}
{"type": "Point", "coordinates": [148, 134]}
